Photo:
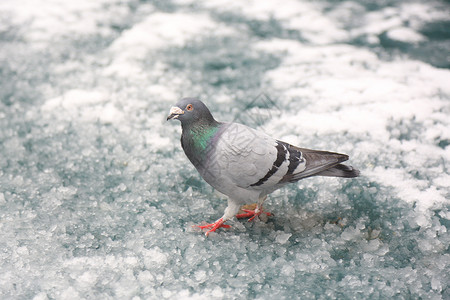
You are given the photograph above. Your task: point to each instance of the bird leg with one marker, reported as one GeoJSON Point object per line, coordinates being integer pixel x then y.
{"type": "Point", "coordinates": [253, 210]}
{"type": "Point", "coordinates": [252, 214]}
{"type": "Point", "coordinates": [214, 226]}
{"type": "Point", "coordinates": [230, 211]}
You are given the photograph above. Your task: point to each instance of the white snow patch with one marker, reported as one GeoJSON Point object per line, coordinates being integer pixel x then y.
{"type": "Point", "coordinates": [406, 35]}
{"type": "Point", "coordinates": [58, 17]}
{"type": "Point", "coordinates": [81, 105]}
{"type": "Point", "coordinates": [392, 20]}
{"type": "Point", "coordinates": [74, 99]}
{"type": "Point", "coordinates": [158, 30]}
{"type": "Point", "coordinates": [306, 17]}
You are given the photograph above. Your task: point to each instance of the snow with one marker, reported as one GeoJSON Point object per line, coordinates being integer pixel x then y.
{"type": "Point", "coordinates": [97, 199]}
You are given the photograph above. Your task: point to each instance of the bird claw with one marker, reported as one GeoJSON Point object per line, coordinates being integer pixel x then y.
{"type": "Point", "coordinates": [252, 214]}
{"type": "Point", "coordinates": [214, 226]}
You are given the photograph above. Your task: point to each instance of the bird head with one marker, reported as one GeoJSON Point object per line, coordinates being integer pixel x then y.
{"type": "Point", "coordinates": [189, 111]}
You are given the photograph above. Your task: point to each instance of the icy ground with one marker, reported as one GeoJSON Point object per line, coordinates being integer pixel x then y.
{"type": "Point", "coordinates": [97, 198]}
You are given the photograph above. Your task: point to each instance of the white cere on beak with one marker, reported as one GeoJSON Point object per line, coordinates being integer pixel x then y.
{"type": "Point", "coordinates": [175, 112]}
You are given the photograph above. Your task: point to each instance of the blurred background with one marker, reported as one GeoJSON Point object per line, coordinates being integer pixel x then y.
{"type": "Point", "coordinates": [97, 199]}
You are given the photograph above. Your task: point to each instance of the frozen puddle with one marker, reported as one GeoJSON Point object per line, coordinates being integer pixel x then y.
{"type": "Point", "coordinates": [97, 199]}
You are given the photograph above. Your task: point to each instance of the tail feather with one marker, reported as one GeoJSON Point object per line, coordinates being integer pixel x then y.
{"type": "Point", "coordinates": [323, 163]}
{"type": "Point", "coordinates": [340, 170]}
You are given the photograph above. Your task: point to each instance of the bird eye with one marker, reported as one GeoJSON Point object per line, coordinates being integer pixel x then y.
{"type": "Point", "coordinates": [189, 107]}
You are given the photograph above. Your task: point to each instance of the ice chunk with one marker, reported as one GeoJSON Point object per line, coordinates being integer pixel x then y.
{"type": "Point", "coordinates": [154, 258]}
{"type": "Point", "coordinates": [282, 237]}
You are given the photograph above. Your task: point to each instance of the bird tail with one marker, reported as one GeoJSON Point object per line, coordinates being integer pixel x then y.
{"type": "Point", "coordinates": [323, 163]}
{"type": "Point", "coordinates": [340, 170]}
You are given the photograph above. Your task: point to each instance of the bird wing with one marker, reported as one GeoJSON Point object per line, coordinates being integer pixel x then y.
{"type": "Point", "coordinates": [251, 159]}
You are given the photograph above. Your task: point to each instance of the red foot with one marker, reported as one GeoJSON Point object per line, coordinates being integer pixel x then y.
{"type": "Point", "coordinates": [213, 226]}
{"type": "Point", "coordinates": [252, 214]}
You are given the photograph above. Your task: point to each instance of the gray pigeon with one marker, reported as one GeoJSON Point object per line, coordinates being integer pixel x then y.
{"type": "Point", "coordinates": [245, 164]}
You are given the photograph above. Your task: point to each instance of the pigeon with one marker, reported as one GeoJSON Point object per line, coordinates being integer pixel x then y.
{"type": "Point", "coordinates": [245, 164]}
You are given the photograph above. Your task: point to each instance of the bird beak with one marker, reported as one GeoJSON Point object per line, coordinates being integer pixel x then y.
{"type": "Point", "coordinates": [174, 113]}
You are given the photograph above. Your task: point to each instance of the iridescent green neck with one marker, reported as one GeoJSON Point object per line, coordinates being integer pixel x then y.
{"type": "Point", "coordinates": [201, 135]}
